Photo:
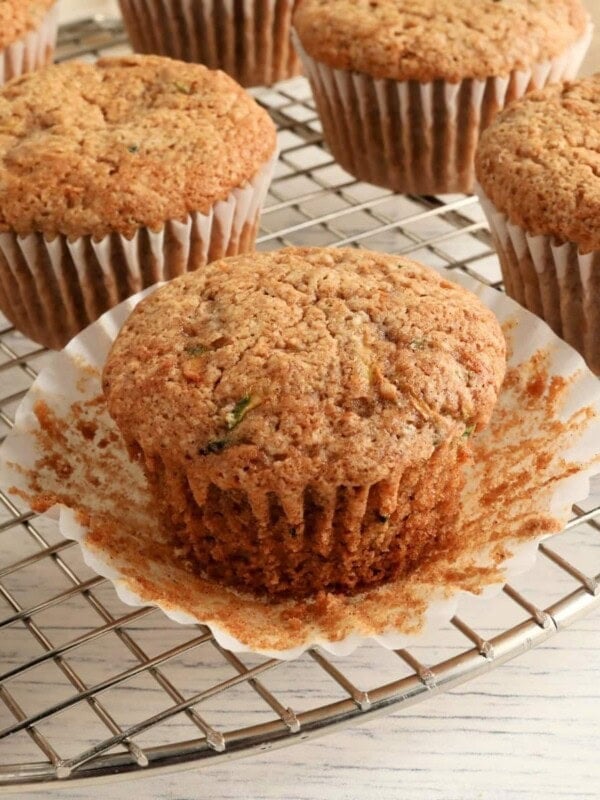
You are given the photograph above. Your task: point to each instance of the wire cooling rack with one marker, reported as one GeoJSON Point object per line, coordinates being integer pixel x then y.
{"type": "Point", "coordinates": [91, 689]}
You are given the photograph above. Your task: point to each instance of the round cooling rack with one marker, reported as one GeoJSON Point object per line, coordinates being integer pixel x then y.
{"type": "Point", "coordinates": [92, 690]}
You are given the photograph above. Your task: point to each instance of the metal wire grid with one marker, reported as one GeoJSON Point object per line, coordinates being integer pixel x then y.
{"type": "Point", "coordinates": [150, 695]}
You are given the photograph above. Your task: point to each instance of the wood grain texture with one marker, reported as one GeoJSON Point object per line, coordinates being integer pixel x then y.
{"type": "Point", "coordinates": [526, 731]}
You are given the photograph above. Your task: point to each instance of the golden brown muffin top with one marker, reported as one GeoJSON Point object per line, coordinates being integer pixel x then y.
{"type": "Point", "coordinates": [124, 143]}
{"type": "Point", "coordinates": [270, 370]}
{"type": "Point", "coordinates": [17, 17]}
{"type": "Point", "coordinates": [424, 40]}
{"type": "Point", "coordinates": [539, 163]}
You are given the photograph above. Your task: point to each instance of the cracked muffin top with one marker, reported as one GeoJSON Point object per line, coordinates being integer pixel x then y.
{"type": "Point", "coordinates": [18, 17]}
{"type": "Point", "coordinates": [331, 364]}
{"type": "Point", "coordinates": [124, 143]}
{"type": "Point", "coordinates": [425, 40]}
{"type": "Point", "coordinates": [539, 163]}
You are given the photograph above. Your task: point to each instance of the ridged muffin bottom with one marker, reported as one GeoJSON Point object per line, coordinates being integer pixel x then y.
{"type": "Point", "coordinates": [419, 138]}
{"type": "Point", "coordinates": [33, 51]}
{"type": "Point", "coordinates": [51, 290]}
{"type": "Point", "coordinates": [249, 41]}
{"type": "Point", "coordinates": [351, 537]}
{"type": "Point", "coordinates": [51, 302]}
{"type": "Point", "coordinates": [551, 279]}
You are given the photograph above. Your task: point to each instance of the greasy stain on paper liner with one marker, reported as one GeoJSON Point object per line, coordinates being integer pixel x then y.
{"type": "Point", "coordinates": [517, 465]}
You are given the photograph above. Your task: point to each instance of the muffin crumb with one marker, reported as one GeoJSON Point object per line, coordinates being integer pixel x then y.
{"type": "Point", "coordinates": [316, 448]}
{"type": "Point", "coordinates": [18, 17]}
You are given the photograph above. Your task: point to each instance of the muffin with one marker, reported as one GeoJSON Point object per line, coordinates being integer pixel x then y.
{"type": "Point", "coordinates": [302, 416]}
{"type": "Point", "coordinates": [119, 174]}
{"type": "Point", "coordinates": [28, 31]}
{"type": "Point", "coordinates": [538, 167]}
{"type": "Point", "coordinates": [404, 88]}
{"type": "Point", "coordinates": [249, 40]}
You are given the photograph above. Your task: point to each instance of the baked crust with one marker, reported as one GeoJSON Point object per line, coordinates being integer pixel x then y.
{"type": "Point", "coordinates": [539, 163]}
{"type": "Point", "coordinates": [92, 149]}
{"type": "Point", "coordinates": [18, 17]}
{"type": "Point", "coordinates": [425, 40]}
{"type": "Point", "coordinates": [302, 415]}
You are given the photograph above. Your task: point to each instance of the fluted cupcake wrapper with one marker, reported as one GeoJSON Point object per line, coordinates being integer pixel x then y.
{"type": "Point", "coordinates": [32, 51]}
{"type": "Point", "coordinates": [50, 290]}
{"type": "Point", "coordinates": [263, 538]}
{"type": "Point", "coordinates": [419, 138]}
{"type": "Point", "coordinates": [551, 279]}
{"type": "Point", "coordinates": [249, 41]}
{"type": "Point", "coordinates": [528, 465]}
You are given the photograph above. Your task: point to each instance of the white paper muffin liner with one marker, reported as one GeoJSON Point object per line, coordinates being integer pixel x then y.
{"type": "Point", "coordinates": [32, 51]}
{"type": "Point", "coordinates": [551, 279]}
{"type": "Point", "coordinates": [531, 465]}
{"type": "Point", "coordinates": [251, 41]}
{"type": "Point", "coordinates": [51, 290]}
{"type": "Point", "coordinates": [419, 138]}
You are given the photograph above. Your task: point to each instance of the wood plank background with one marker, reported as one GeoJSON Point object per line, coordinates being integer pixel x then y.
{"type": "Point", "coordinates": [526, 731]}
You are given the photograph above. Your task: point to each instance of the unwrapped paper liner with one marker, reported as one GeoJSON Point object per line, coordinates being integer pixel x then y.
{"type": "Point", "coordinates": [51, 290]}
{"type": "Point", "coordinates": [73, 377]}
{"type": "Point", "coordinates": [251, 43]}
{"type": "Point", "coordinates": [552, 279]}
{"type": "Point", "coordinates": [34, 50]}
{"type": "Point", "coordinates": [419, 138]}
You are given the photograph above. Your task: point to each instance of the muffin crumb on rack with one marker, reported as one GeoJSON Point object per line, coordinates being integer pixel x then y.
{"type": "Point", "coordinates": [303, 415]}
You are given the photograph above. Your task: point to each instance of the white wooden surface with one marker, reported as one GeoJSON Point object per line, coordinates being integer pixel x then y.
{"type": "Point", "coordinates": [527, 730]}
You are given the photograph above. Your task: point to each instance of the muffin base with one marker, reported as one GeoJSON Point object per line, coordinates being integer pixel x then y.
{"type": "Point", "coordinates": [34, 50]}
{"type": "Point", "coordinates": [106, 506]}
{"type": "Point", "coordinates": [551, 279]}
{"type": "Point", "coordinates": [50, 290]}
{"type": "Point", "coordinates": [350, 538]}
{"type": "Point", "coordinates": [249, 41]}
{"type": "Point", "coordinates": [419, 138]}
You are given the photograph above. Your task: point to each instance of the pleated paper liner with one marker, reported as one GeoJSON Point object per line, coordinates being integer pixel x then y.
{"type": "Point", "coordinates": [552, 279]}
{"type": "Point", "coordinates": [32, 51]}
{"type": "Point", "coordinates": [535, 460]}
{"type": "Point", "coordinates": [419, 138]}
{"type": "Point", "coordinates": [250, 40]}
{"type": "Point", "coordinates": [51, 290]}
